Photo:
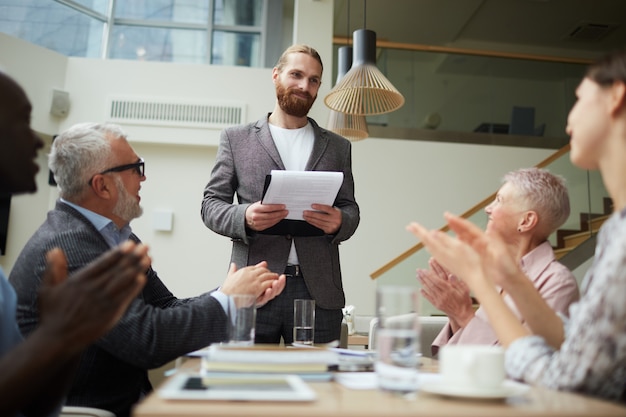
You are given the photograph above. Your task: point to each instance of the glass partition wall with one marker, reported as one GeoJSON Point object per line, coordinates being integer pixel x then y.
{"type": "Point", "coordinates": [508, 101]}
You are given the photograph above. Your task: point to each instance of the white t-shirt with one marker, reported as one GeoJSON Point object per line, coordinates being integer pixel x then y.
{"type": "Point", "coordinates": [294, 147]}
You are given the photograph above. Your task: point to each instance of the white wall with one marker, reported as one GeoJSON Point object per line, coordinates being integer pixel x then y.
{"type": "Point", "coordinates": [38, 70]}
{"type": "Point", "coordinates": [396, 180]}
{"type": "Point", "coordinates": [91, 82]}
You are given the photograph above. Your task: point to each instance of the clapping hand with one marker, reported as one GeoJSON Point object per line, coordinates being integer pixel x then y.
{"type": "Point", "coordinates": [447, 293]}
{"type": "Point", "coordinates": [256, 280]}
{"type": "Point", "coordinates": [472, 255]}
{"type": "Point", "coordinates": [82, 307]}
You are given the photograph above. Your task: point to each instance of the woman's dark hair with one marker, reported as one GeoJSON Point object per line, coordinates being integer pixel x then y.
{"type": "Point", "coordinates": [609, 69]}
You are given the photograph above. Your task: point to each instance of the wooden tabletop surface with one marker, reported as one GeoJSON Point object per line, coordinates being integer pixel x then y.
{"type": "Point", "coordinates": [335, 400]}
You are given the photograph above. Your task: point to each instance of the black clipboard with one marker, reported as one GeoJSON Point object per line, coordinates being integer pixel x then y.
{"type": "Point", "coordinates": [289, 226]}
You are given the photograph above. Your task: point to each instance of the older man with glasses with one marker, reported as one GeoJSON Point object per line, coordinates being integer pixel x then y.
{"type": "Point", "coordinates": [99, 177]}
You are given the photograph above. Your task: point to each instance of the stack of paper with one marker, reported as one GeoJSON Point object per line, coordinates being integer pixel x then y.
{"type": "Point", "coordinates": [309, 363]}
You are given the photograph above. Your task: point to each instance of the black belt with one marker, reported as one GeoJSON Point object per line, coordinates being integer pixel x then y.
{"type": "Point", "coordinates": [293, 271]}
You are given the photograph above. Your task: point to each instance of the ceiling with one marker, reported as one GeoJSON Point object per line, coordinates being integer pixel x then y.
{"type": "Point", "coordinates": [581, 29]}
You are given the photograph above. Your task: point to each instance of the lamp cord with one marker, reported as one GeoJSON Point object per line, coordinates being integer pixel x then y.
{"type": "Point", "coordinates": [348, 24]}
{"type": "Point", "coordinates": [364, 14]}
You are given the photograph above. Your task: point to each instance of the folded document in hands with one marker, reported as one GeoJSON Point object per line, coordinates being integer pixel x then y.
{"type": "Point", "coordinates": [298, 190]}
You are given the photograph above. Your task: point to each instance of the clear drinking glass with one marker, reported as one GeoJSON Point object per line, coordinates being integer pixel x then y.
{"type": "Point", "coordinates": [303, 321]}
{"type": "Point", "coordinates": [241, 319]}
{"type": "Point", "coordinates": [397, 338]}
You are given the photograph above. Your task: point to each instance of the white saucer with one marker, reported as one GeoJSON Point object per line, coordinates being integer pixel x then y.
{"type": "Point", "coordinates": [508, 389]}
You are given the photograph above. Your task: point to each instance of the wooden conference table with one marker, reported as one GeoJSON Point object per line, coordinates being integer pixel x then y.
{"type": "Point", "coordinates": [335, 400]}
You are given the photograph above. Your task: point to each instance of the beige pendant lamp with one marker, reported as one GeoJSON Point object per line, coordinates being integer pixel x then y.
{"type": "Point", "coordinates": [350, 126]}
{"type": "Point", "coordinates": [364, 90]}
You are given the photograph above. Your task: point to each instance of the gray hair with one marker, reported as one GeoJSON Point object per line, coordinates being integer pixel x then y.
{"type": "Point", "coordinates": [543, 192]}
{"type": "Point", "coordinates": [79, 153]}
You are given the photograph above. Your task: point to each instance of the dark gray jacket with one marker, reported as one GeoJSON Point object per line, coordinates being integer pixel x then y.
{"type": "Point", "coordinates": [156, 329]}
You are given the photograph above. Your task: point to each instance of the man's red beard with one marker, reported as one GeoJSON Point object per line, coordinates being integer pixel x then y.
{"type": "Point", "coordinates": [291, 104]}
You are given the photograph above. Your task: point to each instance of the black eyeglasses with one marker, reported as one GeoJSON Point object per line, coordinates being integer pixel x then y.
{"type": "Point", "coordinates": [139, 167]}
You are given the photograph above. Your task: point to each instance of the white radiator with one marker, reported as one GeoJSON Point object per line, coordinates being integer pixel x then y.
{"type": "Point", "coordinates": [171, 112]}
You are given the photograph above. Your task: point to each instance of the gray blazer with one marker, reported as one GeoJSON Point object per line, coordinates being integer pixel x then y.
{"type": "Point", "coordinates": [245, 156]}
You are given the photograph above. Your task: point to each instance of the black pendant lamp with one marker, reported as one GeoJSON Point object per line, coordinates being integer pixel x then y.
{"type": "Point", "coordinates": [352, 127]}
{"type": "Point", "coordinates": [364, 90]}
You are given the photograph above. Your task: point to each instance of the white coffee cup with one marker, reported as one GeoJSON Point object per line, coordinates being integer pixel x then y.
{"type": "Point", "coordinates": [479, 367]}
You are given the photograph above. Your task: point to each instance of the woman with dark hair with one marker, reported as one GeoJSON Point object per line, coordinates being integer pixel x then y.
{"type": "Point", "coordinates": [586, 353]}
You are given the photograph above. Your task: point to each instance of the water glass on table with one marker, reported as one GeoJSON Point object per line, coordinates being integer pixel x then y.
{"type": "Point", "coordinates": [303, 321]}
{"type": "Point", "coordinates": [397, 338]}
{"type": "Point", "coordinates": [241, 319]}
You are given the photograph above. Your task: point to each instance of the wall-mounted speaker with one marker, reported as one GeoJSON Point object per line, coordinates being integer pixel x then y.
{"type": "Point", "coordinates": [60, 106]}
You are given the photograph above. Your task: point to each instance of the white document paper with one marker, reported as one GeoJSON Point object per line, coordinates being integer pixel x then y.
{"type": "Point", "coordinates": [299, 189]}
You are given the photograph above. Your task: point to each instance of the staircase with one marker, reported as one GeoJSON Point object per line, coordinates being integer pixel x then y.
{"type": "Point", "coordinates": [569, 239]}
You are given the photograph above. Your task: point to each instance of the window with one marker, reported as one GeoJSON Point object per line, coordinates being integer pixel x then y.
{"type": "Point", "coordinates": [173, 11]}
{"type": "Point", "coordinates": [237, 30]}
{"type": "Point", "coordinates": [219, 32]}
{"type": "Point", "coordinates": [158, 44]}
{"type": "Point", "coordinates": [53, 26]}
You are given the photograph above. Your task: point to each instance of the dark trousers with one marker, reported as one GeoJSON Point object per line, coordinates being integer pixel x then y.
{"type": "Point", "coordinates": [275, 319]}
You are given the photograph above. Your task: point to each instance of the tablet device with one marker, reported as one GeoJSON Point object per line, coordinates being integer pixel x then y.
{"type": "Point", "coordinates": [236, 387]}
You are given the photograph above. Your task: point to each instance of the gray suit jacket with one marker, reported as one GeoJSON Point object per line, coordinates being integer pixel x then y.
{"type": "Point", "coordinates": [245, 156]}
{"type": "Point", "coordinates": [156, 328]}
